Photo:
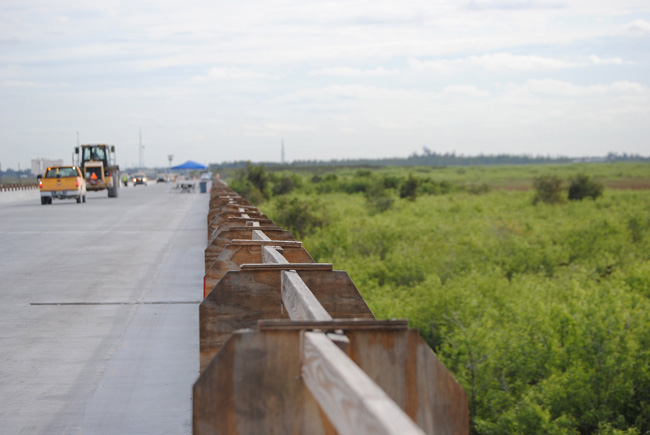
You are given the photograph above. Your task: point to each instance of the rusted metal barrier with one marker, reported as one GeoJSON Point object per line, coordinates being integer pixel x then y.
{"type": "Point", "coordinates": [290, 346]}
{"type": "Point", "coordinates": [16, 187]}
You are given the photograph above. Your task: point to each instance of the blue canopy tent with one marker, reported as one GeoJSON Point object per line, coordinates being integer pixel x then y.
{"type": "Point", "coordinates": [190, 165]}
{"type": "Point", "coordinates": [189, 185]}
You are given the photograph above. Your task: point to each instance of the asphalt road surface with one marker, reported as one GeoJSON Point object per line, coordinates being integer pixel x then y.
{"type": "Point", "coordinates": [99, 312]}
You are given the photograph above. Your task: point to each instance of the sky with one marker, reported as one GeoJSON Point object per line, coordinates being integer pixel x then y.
{"type": "Point", "coordinates": [218, 81]}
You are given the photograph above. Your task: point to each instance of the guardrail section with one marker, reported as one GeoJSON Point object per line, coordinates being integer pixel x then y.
{"type": "Point", "coordinates": [290, 346]}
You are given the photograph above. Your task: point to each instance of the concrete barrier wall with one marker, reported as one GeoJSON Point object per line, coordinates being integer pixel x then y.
{"type": "Point", "coordinates": [7, 196]}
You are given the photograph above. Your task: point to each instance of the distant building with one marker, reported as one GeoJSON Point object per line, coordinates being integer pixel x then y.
{"type": "Point", "coordinates": [39, 165]}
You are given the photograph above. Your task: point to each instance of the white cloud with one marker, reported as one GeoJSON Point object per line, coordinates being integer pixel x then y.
{"type": "Point", "coordinates": [600, 61]}
{"type": "Point", "coordinates": [466, 90]}
{"type": "Point", "coordinates": [638, 27]}
{"type": "Point", "coordinates": [231, 74]}
{"type": "Point", "coordinates": [351, 72]}
{"type": "Point", "coordinates": [350, 92]}
{"type": "Point", "coordinates": [275, 129]}
{"type": "Point", "coordinates": [558, 88]}
{"type": "Point", "coordinates": [503, 62]}
{"type": "Point", "coordinates": [507, 61]}
{"type": "Point", "coordinates": [235, 73]}
{"type": "Point", "coordinates": [29, 84]}
{"type": "Point", "coordinates": [515, 4]}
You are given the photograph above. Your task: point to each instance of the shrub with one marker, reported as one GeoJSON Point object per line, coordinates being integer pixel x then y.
{"type": "Point", "coordinates": [378, 199]}
{"type": "Point", "coordinates": [478, 189]}
{"type": "Point", "coordinates": [364, 173]}
{"type": "Point", "coordinates": [427, 186]}
{"type": "Point", "coordinates": [298, 215]}
{"type": "Point", "coordinates": [637, 228]}
{"type": "Point", "coordinates": [252, 182]}
{"type": "Point", "coordinates": [583, 186]}
{"type": "Point", "coordinates": [409, 188]}
{"type": "Point", "coordinates": [258, 177]}
{"type": "Point", "coordinates": [357, 185]}
{"type": "Point", "coordinates": [548, 189]}
{"type": "Point", "coordinates": [391, 181]}
{"type": "Point", "coordinates": [246, 189]}
{"type": "Point", "coordinates": [283, 184]}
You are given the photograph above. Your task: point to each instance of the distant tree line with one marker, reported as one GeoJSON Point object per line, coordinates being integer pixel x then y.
{"type": "Point", "coordinates": [429, 158]}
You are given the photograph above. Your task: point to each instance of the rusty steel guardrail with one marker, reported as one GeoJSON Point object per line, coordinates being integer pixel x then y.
{"type": "Point", "coordinates": [288, 345]}
{"type": "Point", "coordinates": [16, 187]}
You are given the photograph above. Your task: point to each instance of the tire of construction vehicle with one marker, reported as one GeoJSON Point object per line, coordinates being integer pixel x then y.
{"type": "Point", "coordinates": [49, 200]}
{"type": "Point", "coordinates": [112, 192]}
{"type": "Point", "coordinates": [43, 200]}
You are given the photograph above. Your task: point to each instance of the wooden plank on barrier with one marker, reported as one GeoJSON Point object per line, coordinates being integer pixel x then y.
{"type": "Point", "coordinates": [350, 399]}
{"type": "Point", "coordinates": [327, 267]}
{"type": "Point", "coordinates": [299, 301]}
{"type": "Point", "coordinates": [332, 325]}
{"type": "Point", "coordinates": [224, 238]}
{"type": "Point", "coordinates": [224, 216]}
{"type": "Point", "coordinates": [237, 226]}
{"type": "Point", "coordinates": [266, 228]}
{"type": "Point", "coordinates": [253, 219]}
{"type": "Point", "coordinates": [282, 243]}
{"type": "Point", "coordinates": [231, 257]}
{"type": "Point", "coordinates": [271, 255]}
{"type": "Point", "coordinates": [259, 235]}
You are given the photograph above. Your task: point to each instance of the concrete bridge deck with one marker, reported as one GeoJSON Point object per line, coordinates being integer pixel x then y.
{"type": "Point", "coordinates": [99, 312]}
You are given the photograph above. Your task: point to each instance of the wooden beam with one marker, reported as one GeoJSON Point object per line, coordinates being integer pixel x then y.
{"type": "Point", "coordinates": [244, 219]}
{"type": "Point", "coordinates": [351, 400]}
{"type": "Point", "coordinates": [288, 266]}
{"type": "Point", "coordinates": [283, 243]}
{"type": "Point", "coordinates": [271, 255]}
{"type": "Point", "coordinates": [259, 235]}
{"type": "Point", "coordinates": [333, 325]}
{"type": "Point", "coordinates": [299, 301]}
{"type": "Point", "coordinates": [252, 228]}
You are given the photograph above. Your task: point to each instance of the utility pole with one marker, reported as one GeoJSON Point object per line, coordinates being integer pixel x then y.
{"type": "Point", "coordinates": [140, 147]}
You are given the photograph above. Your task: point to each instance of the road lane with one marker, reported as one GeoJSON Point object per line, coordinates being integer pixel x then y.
{"type": "Point", "coordinates": [99, 312]}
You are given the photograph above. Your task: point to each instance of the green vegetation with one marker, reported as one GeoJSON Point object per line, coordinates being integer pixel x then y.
{"type": "Point", "coordinates": [548, 189]}
{"type": "Point", "coordinates": [582, 186]}
{"type": "Point", "coordinates": [542, 312]}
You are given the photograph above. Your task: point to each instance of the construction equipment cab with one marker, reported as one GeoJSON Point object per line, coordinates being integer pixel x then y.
{"type": "Point", "coordinates": [99, 167]}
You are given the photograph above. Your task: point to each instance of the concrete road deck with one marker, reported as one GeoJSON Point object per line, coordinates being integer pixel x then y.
{"type": "Point", "coordinates": [99, 312]}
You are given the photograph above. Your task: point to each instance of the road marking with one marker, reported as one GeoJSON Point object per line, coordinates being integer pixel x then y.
{"type": "Point", "coordinates": [120, 303]}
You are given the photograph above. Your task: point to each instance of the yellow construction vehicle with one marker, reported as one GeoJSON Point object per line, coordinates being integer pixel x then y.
{"type": "Point", "coordinates": [99, 167]}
